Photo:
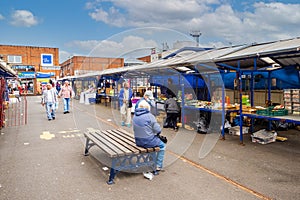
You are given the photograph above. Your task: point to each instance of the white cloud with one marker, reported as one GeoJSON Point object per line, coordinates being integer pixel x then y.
{"type": "Point", "coordinates": [217, 20]}
{"type": "Point", "coordinates": [2, 17]}
{"type": "Point", "coordinates": [111, 48]}
{"type": "Point", "coordinates": [23, 18]}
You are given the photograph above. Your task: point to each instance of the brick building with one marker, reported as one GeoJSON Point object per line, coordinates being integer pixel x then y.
{"type": "Point", "coordinates": [77, 65]}
{"type": "Point", "coordinates": [34, 65]}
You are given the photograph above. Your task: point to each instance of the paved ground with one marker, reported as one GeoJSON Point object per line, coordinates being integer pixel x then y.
{"type": "Point", "coordinates": [44, 160]}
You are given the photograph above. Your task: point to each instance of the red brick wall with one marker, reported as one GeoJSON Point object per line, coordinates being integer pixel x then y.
{"type": "Point", "coordinates": [81, 63]}
{"type": "Point", "coordinates": [31, 56]}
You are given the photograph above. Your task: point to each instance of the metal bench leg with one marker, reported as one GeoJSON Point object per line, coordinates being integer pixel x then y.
{"type": "Point", "coordinates": [86, 151]}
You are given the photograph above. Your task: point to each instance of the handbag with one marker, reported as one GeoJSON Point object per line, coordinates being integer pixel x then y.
{"type": "Point", "coordinates": [163, 138]}
{"type": "Point", "coordinates": [129, 103]}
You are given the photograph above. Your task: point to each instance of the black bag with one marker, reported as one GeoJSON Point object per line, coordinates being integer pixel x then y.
{"type": "Point", "coordinates": [129, 103]}
{"type": "Point", "coordinates": [163, 138]}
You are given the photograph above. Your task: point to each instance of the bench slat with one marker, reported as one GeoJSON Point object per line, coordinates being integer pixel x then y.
{"type": "Point", "coordinates": [127, 142]}
{"type": "Point", "coordinates": [100, 144]}
{"type": "Point", "coordinates": [128, 135]}
{"type": "Point", "coordinates": [131, 138]}
{"type": "Point", "coordinates": [117, 142]}
{"type": "Point", "coordinates": [112, 144]}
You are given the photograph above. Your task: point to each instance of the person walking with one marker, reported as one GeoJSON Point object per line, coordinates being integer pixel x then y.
{"type": "Point", "coordinates": [125, 103]}
{"type": "Point", "coordinates": [146, 130]}
{"type": "Point", "coordinates": [49, 98]}
{"type": "Point", "coordinates": [66, 93]}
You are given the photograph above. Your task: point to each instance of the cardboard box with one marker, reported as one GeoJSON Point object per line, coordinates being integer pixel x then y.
{"type": "Point", "coordinates": [236, 130]}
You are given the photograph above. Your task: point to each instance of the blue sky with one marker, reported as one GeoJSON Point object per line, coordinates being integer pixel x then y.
{"type": "Point", "coordinates": [115, 28]}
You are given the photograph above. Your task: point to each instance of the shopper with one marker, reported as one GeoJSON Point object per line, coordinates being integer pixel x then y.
{"type": "Point", "coordinates": [52, 82]}
{"type": "Point", "coordinates": [172, 109]}
{"type": "Point", "coordinates": [125, 103]}
{"type": "Point", "coordinates": [146, 131]}
{"type": "Point", "coordinates": [148, 96]}
{"type": "Point", "coordinates": [49, 98]}
{"type": "Point", "coordinates": [170, 89]}
{"type": "Point", "coordinates": [66, 93]}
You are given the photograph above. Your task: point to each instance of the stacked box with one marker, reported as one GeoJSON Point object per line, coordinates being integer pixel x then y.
{"type": "Point", "coordinates": [291, 99]}
{"type": "Point", "coordinates": [287, 97]}
{"type": "Point", "coordinates": [264, 137]}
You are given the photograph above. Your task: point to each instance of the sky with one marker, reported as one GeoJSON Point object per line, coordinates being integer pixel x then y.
{"type": "Point", "coordinates": [117, 28]}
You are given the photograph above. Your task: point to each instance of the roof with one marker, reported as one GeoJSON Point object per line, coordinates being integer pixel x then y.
{"type": "Point", "coordinates": [283, 53]}
{"type": "Point", "coordinates": [6, 70]}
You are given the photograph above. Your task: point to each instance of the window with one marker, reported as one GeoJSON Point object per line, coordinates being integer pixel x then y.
{"type": "Point", "coordinates": [14, 59]}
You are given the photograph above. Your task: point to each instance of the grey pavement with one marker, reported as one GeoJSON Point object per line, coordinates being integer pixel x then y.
{"type": "Point", "coordinates": [44, 160]}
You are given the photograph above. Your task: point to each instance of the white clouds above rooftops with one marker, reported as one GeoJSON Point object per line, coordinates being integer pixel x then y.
{"type": "Point", "coordinates": [217, 20]}
{"type": "Point", "coordinates": [23, 18]}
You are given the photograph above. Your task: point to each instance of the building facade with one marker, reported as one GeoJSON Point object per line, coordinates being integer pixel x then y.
{"type": "Point", "coordinates": [78, 65]}
{"type": "Point", "coordinates": [34, 65]}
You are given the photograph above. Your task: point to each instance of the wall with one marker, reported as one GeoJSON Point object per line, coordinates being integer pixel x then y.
{"type": "Point", "coordinates": [31, 56]}
{"type": "Point", "coordinates": [80, 64]}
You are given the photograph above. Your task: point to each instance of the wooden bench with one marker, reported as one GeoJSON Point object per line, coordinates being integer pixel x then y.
{"type": "Point", "coordinates": [120, 146]}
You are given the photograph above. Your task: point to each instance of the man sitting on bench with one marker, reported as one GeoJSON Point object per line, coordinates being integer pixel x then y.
{"type": "Point", "coordinates": [146, 129]}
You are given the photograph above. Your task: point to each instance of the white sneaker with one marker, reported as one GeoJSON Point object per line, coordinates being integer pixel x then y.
{"type": "Point", "coordinates": [148, 175]}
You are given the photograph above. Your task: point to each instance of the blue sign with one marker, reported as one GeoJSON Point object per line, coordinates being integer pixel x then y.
{"type": "Point", "coordinates": [46, 59]}
{"type": "Point", "coordinates": [44, 75]}
{"type": "Point", "coordinates": [26, 75]}
{"type": "Point", "coordinates": [22, 67]}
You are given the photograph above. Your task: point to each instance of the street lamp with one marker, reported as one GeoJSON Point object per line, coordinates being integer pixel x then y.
{"type": "Point", "coordinates": [196, 35]}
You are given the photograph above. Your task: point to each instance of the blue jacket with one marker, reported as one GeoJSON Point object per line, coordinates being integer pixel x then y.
{"type": "Point", "coordinates": [121, 96]}
{"type": "Point", "coordinates": [145, 128]}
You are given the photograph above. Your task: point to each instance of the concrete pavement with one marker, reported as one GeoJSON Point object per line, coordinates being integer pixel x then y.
{"type": "Point", "coordinates": [44, 160]}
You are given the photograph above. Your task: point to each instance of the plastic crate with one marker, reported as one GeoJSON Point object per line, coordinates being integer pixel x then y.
{"type": "Point", "coordinates": [280, 112]}
{"type": "Point", "coordinates": [263, 112]}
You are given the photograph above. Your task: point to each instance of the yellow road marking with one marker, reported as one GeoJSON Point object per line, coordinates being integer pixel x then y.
{"type": "Point", "coordinates": [47, 135]}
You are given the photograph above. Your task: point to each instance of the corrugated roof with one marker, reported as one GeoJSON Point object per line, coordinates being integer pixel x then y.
{"type": "Point", "coordinates": [283, 52]}
{"type": "Point", "coordinates": [282, 46]}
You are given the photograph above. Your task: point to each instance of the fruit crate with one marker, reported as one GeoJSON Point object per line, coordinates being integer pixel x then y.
{"type": "Point", "coordinates": [280, 112]}
{"type": "Point", "coordinates": [265, 112]}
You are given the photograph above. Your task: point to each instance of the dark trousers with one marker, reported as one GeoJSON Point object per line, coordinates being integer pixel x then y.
{"type": "Point", "coordinates": [171, 120]}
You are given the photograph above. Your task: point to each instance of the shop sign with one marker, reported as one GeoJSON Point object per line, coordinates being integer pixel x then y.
{"type": "Point", "coordinates": [51, 67]}
{"type": "Point", "coordinates": [44, 75]}
{"type": "Point", "coordinates": [43, 80]}
{"type": "Point", "coordinates": [46, 60]}
{"type": "Point", "coordinates": [26, 75]}
{"type": "Point", "coordinates": [22, 67]}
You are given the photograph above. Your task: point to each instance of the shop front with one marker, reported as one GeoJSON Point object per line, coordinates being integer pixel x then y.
{"type": "Point", "coordinates": [27, 80]}
{"type": "Point", "coordinates": [41, 81]}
